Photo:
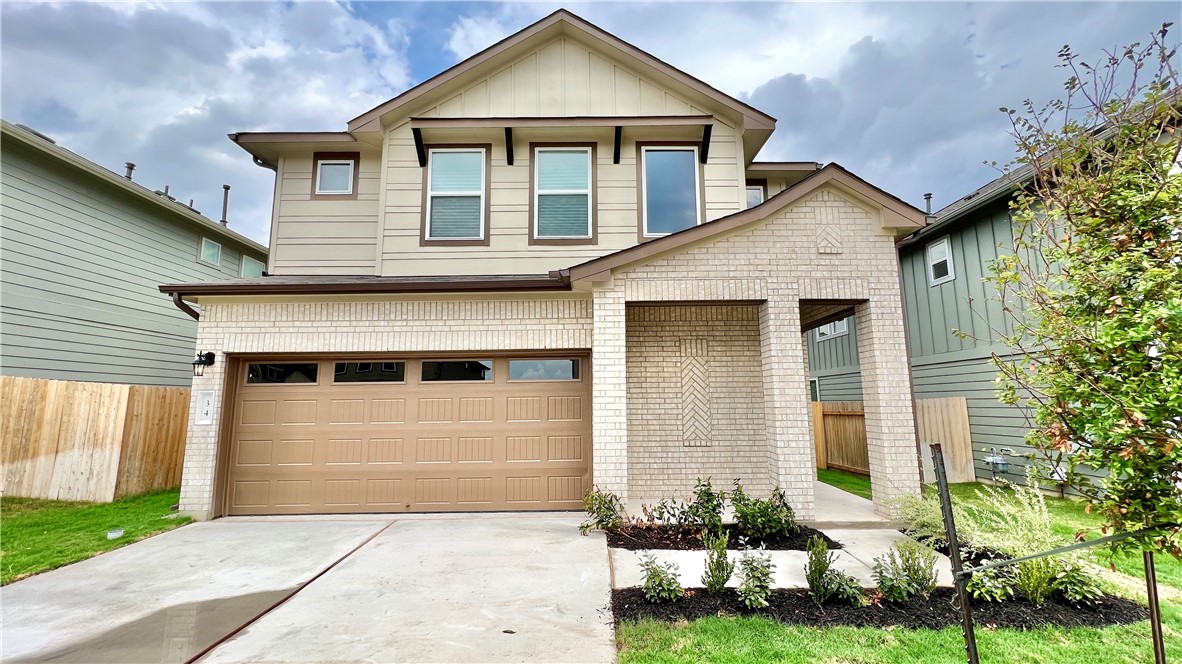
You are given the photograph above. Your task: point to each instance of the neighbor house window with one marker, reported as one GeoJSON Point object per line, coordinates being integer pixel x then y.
{"type": "Point", "coordinates": [562, 193]}
{"type": "Point", "coordinates": [670, 189]}
{"type": "Point", "coordinates": [814, 389]}
{"type": "Point", "coordinates": [211, 252]}
{"type": "Point", "coordinates": [940, 262]}
{"type": "Point", "coordinates": [834, 329]}
{"type": "Point", "coordinates": [252, 267]}
{"type": "Point", "coordinates": [334, 176]}
{"type": "Point", "coordinates": [755, 195]}
{"type": "Point", "coordinates": [455, 194]}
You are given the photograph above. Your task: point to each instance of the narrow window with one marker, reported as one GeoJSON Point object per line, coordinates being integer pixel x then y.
{"type": "Point", "coordinates": [834, 329]}
{"type": "Point", "coordinates": [940, 262]}
{"type": "Point", "coordinates": [543, 369]}
{"type": "Point", "coordinates": [455, 194]}
{"type": "Point", "coordinates": [211, 252]}
{"type": "Point", "coordinates": [334, 176]}
{"type": "Point", "coordinates": [814, 389]}
{"type": "Point", "coordinates": [670, 190]}
{"type": "Point", "coordinates": [457, 370]}
{"type": "Point", "coordinates": [251, 267]}
{"type": "Point", "coordinates": [562, 194]}
{"type": "Point", "coordinates": [370, 372]}
{"type": "Point", "coordinates": [754, 195]}
{"type": "Point", "coordinates": [281, 373]}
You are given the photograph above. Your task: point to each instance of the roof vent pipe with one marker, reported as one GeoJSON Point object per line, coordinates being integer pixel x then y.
{"type": "Point", "coordinates": [225, 203]}
{"type": "Point", "coordinates": [130, 167]}
{"type": "Point", "coordinates": [927, 202]}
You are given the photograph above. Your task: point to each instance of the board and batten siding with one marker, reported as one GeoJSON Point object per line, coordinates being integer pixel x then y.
{"type": "Point", "coordinates": [326, 236]}
{"type": "Point", "coordinates": [80, 263]}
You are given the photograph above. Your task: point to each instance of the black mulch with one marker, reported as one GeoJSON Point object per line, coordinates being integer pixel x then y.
{"type": "Point", "coordinates": [664, 537]}
{"type": "Point", "coordinates": [795, 607]}
{"type": "Point", "coordinates": [971, 555]}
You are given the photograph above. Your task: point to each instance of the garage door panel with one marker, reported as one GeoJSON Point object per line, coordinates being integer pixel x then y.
{"type": "Point", "coordinates": [410, 446]}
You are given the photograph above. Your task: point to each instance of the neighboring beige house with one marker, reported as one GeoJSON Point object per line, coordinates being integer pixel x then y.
{"type": "Point", "coordinates": [553, 265]}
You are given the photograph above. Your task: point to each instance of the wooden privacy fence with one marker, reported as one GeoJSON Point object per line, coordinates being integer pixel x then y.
{"type": "Point", "coordinates": [839, 433]}
{"type": "Point", "coordinates": [67, 440]}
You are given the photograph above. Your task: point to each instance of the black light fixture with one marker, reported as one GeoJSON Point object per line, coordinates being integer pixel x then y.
{"type": "Point", "coordinates": [203, 360]}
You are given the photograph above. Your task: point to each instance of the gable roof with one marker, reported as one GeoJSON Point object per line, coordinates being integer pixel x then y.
{"type": "Point", "coordinates": [560, 21]}
{"type": "Point", "coordinates": [187, 214]}
{"type": "Point", "coordinates": [896, 214]}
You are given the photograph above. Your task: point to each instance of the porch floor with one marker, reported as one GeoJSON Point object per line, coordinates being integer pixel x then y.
{"type": "Point", "coordinates": [839, 509]}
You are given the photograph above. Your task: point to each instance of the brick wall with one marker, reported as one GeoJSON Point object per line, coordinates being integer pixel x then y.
{"type": "Point", "coordinates": [695, 399]}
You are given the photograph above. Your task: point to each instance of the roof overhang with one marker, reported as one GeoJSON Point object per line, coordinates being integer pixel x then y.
{"type": "Point", "coordinates": [363, 285]}
{"type": "Point", "coordinates": [898, 217]}
{"type": "Point", "coordinates": [265, 146]}
{"type": "Point", "coordinates": [789, 171]}
{"type": "Point", "coordinates": [694, 128]}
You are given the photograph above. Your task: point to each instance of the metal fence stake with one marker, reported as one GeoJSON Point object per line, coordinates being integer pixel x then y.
{"type": "Point", "coordinates": [958, 575]}
{"type": "Point", "coordinates": [1159, 644]}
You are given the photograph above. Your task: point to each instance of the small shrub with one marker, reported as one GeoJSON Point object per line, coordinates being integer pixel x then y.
{"type": "Point", "coordinates": [755, 580]}
{"type": "Point", "coordinates": [907, 570]}
{"type": "Point", "coordinates": [660, 580]}
{"type": "Point", "coordinates": [1077, 585]}
{"type": "Point", "coordinates": [703, 513]}
{"type": "Point", "coordinates": [825, 581]}
{"type": "Point", "coordinates": [760, 519]}
{"type": "Point", "coordinates": [605, 511]}
{"type": "Point", "coordinates": [925, 520]}
{"type": "Point", "coordinates": [994, 585]}
{"type": "Point", "coordinates": [718, 567]}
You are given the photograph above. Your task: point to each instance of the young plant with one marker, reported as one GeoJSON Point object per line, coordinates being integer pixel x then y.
{"type": "Point", "coordinates": [755, 580]}
{"type": "Point", "coordinates": [993, 585]}
{"type": "Point", "coordinates": [925, 520]}
{"type": "Point", "coordinates": [718, 567]}
{"type": "Point", "coordinates": [705, 511]}
{"type": "Point", "coordinates": [825, 581]}
{"type": "Point", "coordinates": [660, 580]}
{"type": "Point", "coordinates": [1077, 585]}
{"type": "Point", "coordinates": [760, 519]}
{"type": "Point", "coordinates": [907, 570]}
{"type": "Point", "coordinates": [605, 511]}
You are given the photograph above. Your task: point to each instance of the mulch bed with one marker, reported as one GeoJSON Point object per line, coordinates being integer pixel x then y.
{"type": "Point", "coordinates": [971, 555]}
{"type": "Point", "coordinates": [795, 607]}
{"type": "Point", "coordinates": [635, 538]}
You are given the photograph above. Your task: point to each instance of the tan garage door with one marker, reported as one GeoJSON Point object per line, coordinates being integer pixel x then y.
{"type": "Point", "coordinates": [415, 434]}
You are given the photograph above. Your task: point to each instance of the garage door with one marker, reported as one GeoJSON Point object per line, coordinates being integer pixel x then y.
{"type": "Point", "coordinates": [415, 434]}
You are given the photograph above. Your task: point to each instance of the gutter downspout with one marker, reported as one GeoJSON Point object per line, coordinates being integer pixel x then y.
{"type": "Point", "coordinates": [184, 306]}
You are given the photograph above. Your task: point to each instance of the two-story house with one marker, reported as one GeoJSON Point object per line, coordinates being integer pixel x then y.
{"type": "Point", "coordinates": [555, 265]}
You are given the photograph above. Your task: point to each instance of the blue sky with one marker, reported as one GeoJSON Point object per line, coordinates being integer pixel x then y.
{"type": "Point", "coordinates": [903, 94]}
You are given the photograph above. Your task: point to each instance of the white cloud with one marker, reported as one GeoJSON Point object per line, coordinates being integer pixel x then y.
{"type": "Point", "coordinates": [470, 35]}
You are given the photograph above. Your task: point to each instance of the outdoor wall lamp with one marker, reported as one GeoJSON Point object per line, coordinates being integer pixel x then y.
{"type": "Point", "coordinates": [203, 360]}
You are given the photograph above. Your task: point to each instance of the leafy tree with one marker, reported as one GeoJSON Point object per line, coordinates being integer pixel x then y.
{"type": "Point", "coordinates": [1093, 287]}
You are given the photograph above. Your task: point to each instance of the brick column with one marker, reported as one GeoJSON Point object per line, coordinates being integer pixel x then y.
{"type": "Point", "coordinates": [201, 440]}
{"type": "Point", "coordinates": [609, 390]}
{"type": "Point", "coordinates": [786, 407]}
{"type": "Point", "coordinates": [886, 392]}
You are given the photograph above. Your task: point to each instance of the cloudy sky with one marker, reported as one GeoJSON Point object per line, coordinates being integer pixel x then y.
{"type": "Point", "coordinates": [905, 95]}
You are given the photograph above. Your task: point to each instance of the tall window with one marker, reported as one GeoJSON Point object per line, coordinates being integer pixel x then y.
{"type": "Point", "coordinates": [671, 189]}
{"type": "Point", "coordinates": [940, 262]}
{"type": "Point", "coordinates": [455, 194]}
{"type": "Point", "coordinates": [562, 193]}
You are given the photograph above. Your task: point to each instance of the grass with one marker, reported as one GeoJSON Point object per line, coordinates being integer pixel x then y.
{"type": "Point", "coordinates": [859, 485]}
{"type": "Point", "coordinates": [39, 535]}
{"type": "Point", "coordinates": [732, 639]}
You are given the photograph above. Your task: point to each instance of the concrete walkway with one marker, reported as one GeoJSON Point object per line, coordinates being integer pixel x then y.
{"type": "Point", "coordinates": [457, 588]}
{"type": "Point", "coordinates": [840, 509]}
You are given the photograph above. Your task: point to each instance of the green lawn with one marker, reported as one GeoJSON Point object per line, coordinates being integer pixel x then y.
{"type": "Point", "coordinates": [39, 535]}
{"type": "Point", "coordinates": [727, 639]}
{"type": "Point", "coordinates": [859, 485]}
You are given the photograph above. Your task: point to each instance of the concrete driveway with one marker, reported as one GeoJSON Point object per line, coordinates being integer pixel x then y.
{"type": "Point", "coordinates": [417, 588]}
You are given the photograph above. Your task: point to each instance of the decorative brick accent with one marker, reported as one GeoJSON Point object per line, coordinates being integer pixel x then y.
{"type": "Point", "coordinates": [695, 399]}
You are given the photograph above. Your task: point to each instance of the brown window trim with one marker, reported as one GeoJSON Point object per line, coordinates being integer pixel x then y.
{"type": "Point", "coordinates": [640, 145]}
{"type": "Point", "coordinates": [317, 157]}
{"type": "Point", "coordinates": [755, 182]}
{"type": "Point", "coordinates": [486, 241]}
{"type": "Point", "coordinates": [594, 239]}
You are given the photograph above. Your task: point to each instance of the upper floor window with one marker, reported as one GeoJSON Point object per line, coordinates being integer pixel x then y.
{"type": "Point", "coordinates": [940, 262]}
{"type": "Point", "coordinates": [671, 198]}
{"type": "Point", "coordinates": [755, 195]}
{"type": "Point", "coordinates": [456, 183]}
{"type": "Point", "coordinates": [835, 329]}
{"type": "Point", "coordinates": [211, 252]}
{"type": "Point", "coordinates": [251, 267]}
{"type": "Point", "coordinates": [562, 192]}
{"type": "Point", "coordinates": [335, 174]}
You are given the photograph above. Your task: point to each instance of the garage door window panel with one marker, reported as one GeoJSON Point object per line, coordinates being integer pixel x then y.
{"type": "Point", "coordinates": [435, 371]}
{"type": "Point", "coordinates": [543, 370]}
{"type": "Point", "coordinates": [282, 373]}
{"type": "Point", "coordinates": [369, 372]}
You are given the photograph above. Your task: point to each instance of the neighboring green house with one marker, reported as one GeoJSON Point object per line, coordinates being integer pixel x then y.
{"type": "Point", "coordinates": [82, 251]}
{"type": "Point", "coordinates": [942, 269]}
